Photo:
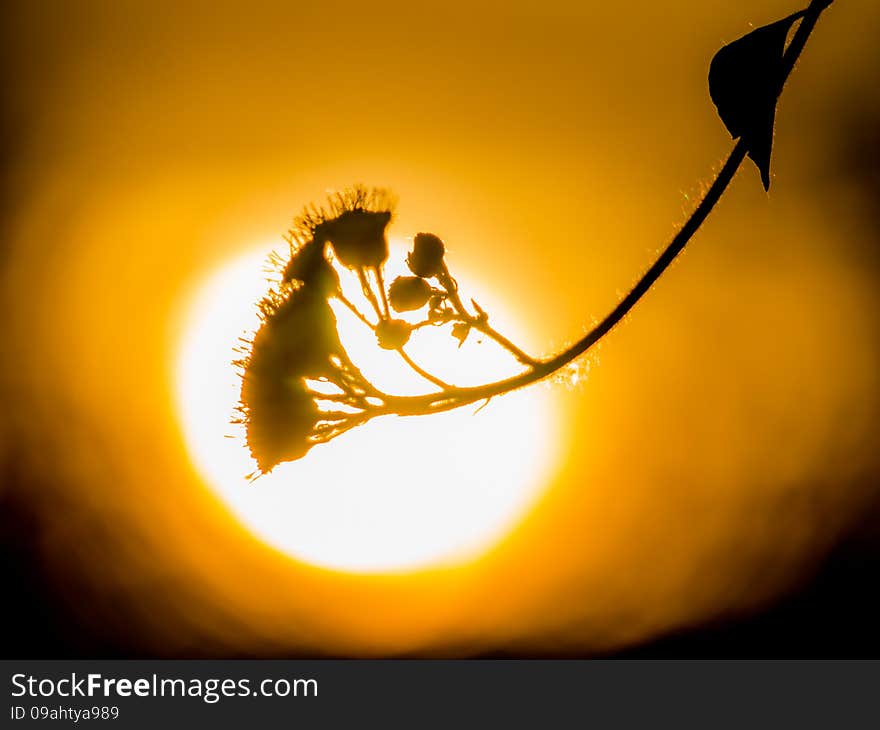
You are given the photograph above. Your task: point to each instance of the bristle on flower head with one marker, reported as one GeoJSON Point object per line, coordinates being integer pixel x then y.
{"type": "Point", "coordinates": [352, 221]}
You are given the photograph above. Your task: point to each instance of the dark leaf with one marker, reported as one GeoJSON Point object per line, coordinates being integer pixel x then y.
{"type": "Point", "coordinates": [353, 222]}
{"type": "Point", "coordinates": [745, 80]}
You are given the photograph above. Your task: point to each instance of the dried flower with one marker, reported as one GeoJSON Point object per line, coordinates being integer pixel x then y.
{"type": "Point", "coordinates": [353, 222]}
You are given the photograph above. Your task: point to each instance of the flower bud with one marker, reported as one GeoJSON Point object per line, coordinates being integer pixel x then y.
{"type": "Point", "coordinates": [426, 258]}
{"type": "Point", "coordinates": [392, 334]}
{"type": "Point", "coordinates": [358, 237]}
{"type": "Point", "coordinates": [408, 293]}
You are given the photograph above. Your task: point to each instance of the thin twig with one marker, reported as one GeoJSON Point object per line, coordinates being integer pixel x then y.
{"type": "Point", "coordinates": [479, 322]}
{"type": "Point", "coordinates": [421, 371]}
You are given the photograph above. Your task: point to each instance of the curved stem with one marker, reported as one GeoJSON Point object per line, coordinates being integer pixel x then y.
{"type": "Point", "coordinates": [455, 397]}
{"type": "Point", "coordinates": [462, 396]}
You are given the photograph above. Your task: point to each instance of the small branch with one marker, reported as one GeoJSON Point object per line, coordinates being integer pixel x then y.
{"type": "Point", "coordinates": [483, 326]}
{"type": "Point", "coordinates": [348, 399]}
{"type": "Point", "coordinates": [462, 396]}
{"type": "Point", "coordinates": [801, 35]}
{"type": "Point", "coordinates": [421, 371]}
{"type": "Point", "coordinates": [354, 310]}
{"type": "Point", "coordinates": [360, 394]}
{"type": "Point", "coordinates": [328, 431]}
{"type": "Point", "coordinates": [481, 322]}
{"type": "Point", "coordinates": [352, 380]}
{"type": "Point", "coordinates": [428, 323]}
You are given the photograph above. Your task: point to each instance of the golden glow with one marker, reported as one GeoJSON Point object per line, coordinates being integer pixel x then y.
{"type": "Point", "coordinates": [725, 434]}
{"type": "Point", "coordinates": [395, 494]}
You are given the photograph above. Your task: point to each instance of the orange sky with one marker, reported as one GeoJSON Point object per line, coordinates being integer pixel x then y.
{"type": "Point", "coordinates": [722, 439]}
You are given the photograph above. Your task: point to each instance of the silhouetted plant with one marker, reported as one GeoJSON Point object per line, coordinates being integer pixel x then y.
{"type": "Point", "coordinates": [299, 386]}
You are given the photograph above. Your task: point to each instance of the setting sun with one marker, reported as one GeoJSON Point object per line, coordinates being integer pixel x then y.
{"type": "Point", "coordinates": [396, 494]}
{"type": "Point", "coordinates": [540, 367]}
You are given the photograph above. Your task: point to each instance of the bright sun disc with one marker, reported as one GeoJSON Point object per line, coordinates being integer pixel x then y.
{"type": "Point", "coordinates": [395, 494]}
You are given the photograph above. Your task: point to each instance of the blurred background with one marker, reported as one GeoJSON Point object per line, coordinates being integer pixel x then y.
{"type": "Point", "coordinates": [718, 493]}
